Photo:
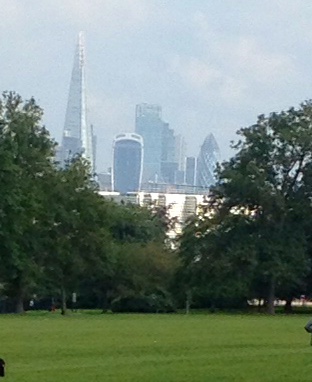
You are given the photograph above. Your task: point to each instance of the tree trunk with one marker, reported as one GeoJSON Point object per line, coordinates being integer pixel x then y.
{"type": "Point", "coordinates": [63, 304]}
{"type": "Point", "coordinates": [19, 305]}
{"type": "Point", "coordinates": [19, 296]}
{"type": "Point", "coordinates": [271, 297]}
{"type": "Point", "coordinates": [288, 307]}
{"type": "Point", "coordinates": [104, 302]}
{"type": "Point", "coordinates": [259, 304]}
{"type": "Point", "coordinates": [188, 302]}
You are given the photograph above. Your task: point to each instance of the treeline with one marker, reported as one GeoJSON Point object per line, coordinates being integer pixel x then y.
{"type": "Point", "coordinates": [250, 240]}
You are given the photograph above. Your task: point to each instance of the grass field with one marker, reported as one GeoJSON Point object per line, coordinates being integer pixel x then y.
{"type": "Point", "coordinates": [84, 347]}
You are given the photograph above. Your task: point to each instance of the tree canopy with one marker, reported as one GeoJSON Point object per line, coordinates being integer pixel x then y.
{"type": "Point", "coordinates": [254, 229]}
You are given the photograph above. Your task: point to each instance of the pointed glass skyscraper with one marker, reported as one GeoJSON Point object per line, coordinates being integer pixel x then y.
{"type": "Point", "coordinates": [77, 136]}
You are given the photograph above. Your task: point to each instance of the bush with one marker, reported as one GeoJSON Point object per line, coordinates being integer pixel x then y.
{"type": "Point", "coordinates": [154, 303]}
{"type": "Point", "coordinates": [132, 304]}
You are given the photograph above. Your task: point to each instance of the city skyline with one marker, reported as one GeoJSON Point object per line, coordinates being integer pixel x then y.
{"type": "Point", "coordinates": [213, 66]}
{"type": "Point", "coordinates": [163, 160]}
{"type": "Point", "coordinates": [163, 163]}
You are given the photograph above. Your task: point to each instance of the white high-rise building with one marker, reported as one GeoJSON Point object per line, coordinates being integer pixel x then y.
{"type": "Point", "coordinates": [77, 136]}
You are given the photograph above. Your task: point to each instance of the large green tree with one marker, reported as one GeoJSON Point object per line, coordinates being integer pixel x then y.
{"type": "Point", "coordinates": [136, 260]}
{"type": "Point", "coordinates": [26, 152]}
{"type": "Point", "coordinates": [259, 206]}
{"type": "Point", "coordinates": [77, 229]}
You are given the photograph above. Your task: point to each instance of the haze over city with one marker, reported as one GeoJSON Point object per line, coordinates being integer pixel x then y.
{"type": "Point", "coordinates": [212, 66]}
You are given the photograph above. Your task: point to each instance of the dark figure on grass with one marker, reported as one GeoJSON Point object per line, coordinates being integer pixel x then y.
{"type": "Point", "coordinates": [308, 328]}
{"type": "Point", "coordinates": [2, 366]}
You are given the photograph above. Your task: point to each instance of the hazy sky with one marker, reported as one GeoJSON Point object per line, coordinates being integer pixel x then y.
{"type": "Point", "coordinates": [213, 65]}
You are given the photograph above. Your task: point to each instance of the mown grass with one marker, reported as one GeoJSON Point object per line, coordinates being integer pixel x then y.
{"type": "Point", "coordinates": [84, 347]}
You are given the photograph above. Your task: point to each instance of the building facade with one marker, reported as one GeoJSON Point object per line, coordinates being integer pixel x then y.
{"type": "Point", "coordinates": [180, 152]}
{"type": "Point", "coordinates": [190, 171]}
{"type": "Point", "coordinates": [127, 163]}
{"type": "Point", "coordinates": [168, 164]}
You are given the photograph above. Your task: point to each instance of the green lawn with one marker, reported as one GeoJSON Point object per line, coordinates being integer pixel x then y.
{"type": "Point", "coordinates": [84, 347]}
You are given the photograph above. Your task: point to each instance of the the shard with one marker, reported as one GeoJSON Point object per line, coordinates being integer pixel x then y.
{"type": "Point", "coordinates": [77, 136]}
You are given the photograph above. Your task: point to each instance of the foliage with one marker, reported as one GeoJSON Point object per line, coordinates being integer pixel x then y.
{"type": "Point", "coordinates": [253, 231]}
{"type": "Point", "coordinates": [26, 152]}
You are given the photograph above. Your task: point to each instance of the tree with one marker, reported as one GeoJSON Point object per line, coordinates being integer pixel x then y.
{"type": "Point", "coordinates": [144, 272]}
{"type": "Point", "coordinates": [26, 152]}
{"type": "Point", "coordinates": [265, 186]}
{"type": "Point", "coordinates": [136, 254]}
{"type": "Point", "coordinates": [77, 227]}
{"type": "Point", "coordinates": [214, 266]}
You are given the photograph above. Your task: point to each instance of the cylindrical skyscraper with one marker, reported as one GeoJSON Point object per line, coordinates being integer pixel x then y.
{"type": "Point", "coordinates": [127, 163]}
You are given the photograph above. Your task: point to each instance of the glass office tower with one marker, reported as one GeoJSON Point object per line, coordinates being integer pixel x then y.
{"type": "Point", "coordinates": [149, 125]}
{"type": "Point", "coordinates": [127, 163]}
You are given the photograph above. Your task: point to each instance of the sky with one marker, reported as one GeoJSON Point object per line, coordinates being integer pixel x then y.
{"type": "Point", "coordinates": [212, 65]}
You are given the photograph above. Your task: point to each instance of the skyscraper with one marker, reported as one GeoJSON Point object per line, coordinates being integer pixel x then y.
{"type": "Point", "coordinates": [127, 162]}
{"type": "Point", "coordinates": [190, 171]}
{"type": "Point", "coordinates": [168, 164]}
{"type": "Point", "coordinates": [149, 125]}
{"type": "Point", "coordinates": [77, 136]}
{"type": "Point", "coordinates": [94, 146]}
{"type": "Point", "coordinates": [206, 163]}
{"type": "Point", "coordinates": [180, 151]}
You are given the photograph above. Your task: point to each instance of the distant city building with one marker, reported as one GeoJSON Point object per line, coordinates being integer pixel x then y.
{"type": "Point", "coordinates": [168, 144]}
{"type": "Point", "coordinates": [168, 172]}
{"type": "Point", "coordinates": [173, 188]}
{"type": "Point", "coordinates": [94, 147]}
{"type": "Point", "coordinates": [180, 206]}
{"type": "Point", "coordinates": [127, 162]}
{"type": "Point", "coordinates": [180, 152]}
{"type": "Point", "coordinates": [179, 176]}
{"type": "Point", "coordinates": [168, 164]}
{"type": "Point", "coordinates": [59, 154]}
{"type": "Point", "coordinates": [206, 163]}
{"type": "Point", "coordinates": [190, 171]}
{"type": "Point", "coordinates": [71, 147]}
{"type": "Point", "coordinates": [149, 125]}
{"type": "Point", "coordinates": [189, 208]}
{"type": "Point", "coordinates": [105, 181]}
{"type": "Point", "coordinates": [77, 136]}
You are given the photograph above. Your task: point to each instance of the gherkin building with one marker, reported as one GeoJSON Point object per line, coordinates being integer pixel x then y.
{"type": "Point", "coordinates": [207, 160]}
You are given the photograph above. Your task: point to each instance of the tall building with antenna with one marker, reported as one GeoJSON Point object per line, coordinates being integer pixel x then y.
{"type": "Point", "coordinates": [77, 135]}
